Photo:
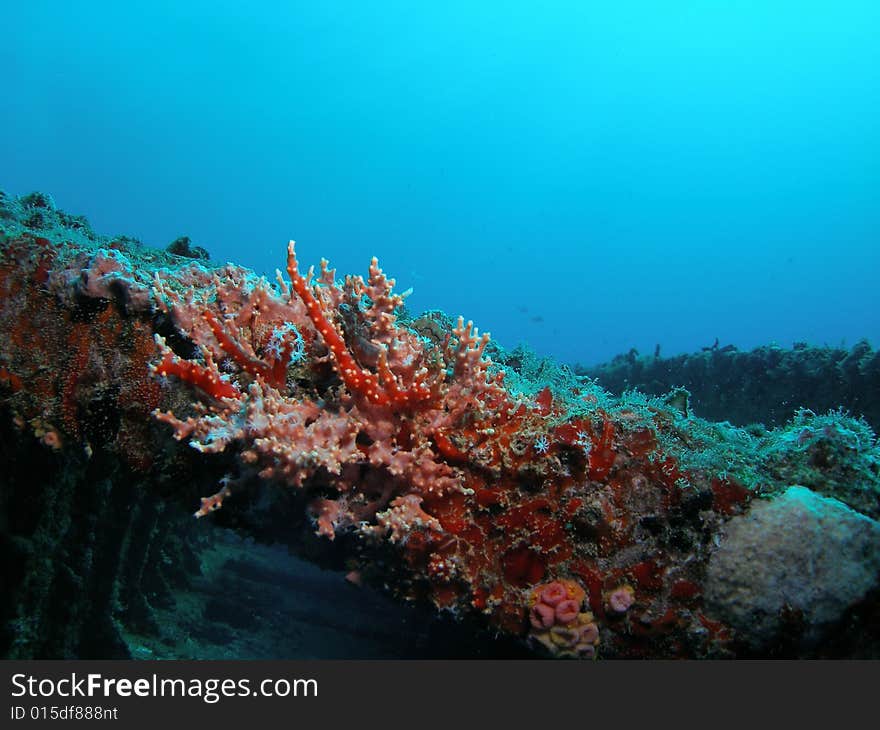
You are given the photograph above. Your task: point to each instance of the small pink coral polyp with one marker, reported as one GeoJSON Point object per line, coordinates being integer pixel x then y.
{"type": "Point", "coordinates": [567, 611]}
{"type": "Point", "coordinates": [542, 616]}
{"type": "Point", "coordinates": [621, 599]}
{"type": "Point", "coordinates": [553, 594]}
{"type": "Point", "coordinates": [589, 634]}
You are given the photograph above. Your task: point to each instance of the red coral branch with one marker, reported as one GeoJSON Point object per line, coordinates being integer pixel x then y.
{"type": "Point", "coordinates": [206, 378]}
{"type": "Point", "coordinates": [381, 389]}
{"type": "Point", "coordinates": [273, 372]}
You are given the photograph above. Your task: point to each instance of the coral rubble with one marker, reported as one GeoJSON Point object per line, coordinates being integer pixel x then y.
{"type": "Point", "coordinates": [430, 461]}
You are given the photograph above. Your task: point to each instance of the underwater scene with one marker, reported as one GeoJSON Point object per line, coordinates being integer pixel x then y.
{"type": "Point", "coordinates": [217, 442]}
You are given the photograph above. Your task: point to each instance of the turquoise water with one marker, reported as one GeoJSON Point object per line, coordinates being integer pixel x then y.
{"type": "Point", "coordinates": [584, 177]}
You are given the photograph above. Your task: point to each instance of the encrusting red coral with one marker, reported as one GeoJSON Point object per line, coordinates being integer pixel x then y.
{"type": "Point", "coordinates": [511, 505]}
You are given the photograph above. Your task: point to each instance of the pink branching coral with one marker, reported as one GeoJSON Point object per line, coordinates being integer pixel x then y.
{"type": "Point", "coordinates": [385, 387]}
{"type": "Point", "coordinates": [391, 410]}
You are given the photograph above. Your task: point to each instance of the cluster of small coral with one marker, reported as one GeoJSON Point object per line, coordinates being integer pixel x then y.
{"type": "Point", "coordinates": [543, 507]}
{"type": "Point", "coordinates": [557, 622]}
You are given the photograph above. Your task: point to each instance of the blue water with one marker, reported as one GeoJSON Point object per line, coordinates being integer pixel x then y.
{"type": "Point", "coordinates": [584, 177]}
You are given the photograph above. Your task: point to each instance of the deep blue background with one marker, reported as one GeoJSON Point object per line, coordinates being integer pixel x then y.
{"type": "Point", "coordinates": [585, 179]}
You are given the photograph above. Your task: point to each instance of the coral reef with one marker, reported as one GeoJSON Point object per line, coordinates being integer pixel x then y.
{"type": "Point", "coordinates": [420, 456]}
{"type": "Point", "coordinates": [762, 385]}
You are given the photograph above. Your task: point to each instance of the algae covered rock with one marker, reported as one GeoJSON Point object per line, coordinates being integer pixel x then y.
{"type": "Point", "coordinates": [800, 554]}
